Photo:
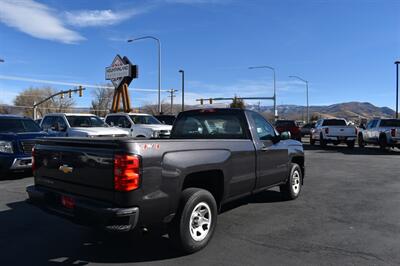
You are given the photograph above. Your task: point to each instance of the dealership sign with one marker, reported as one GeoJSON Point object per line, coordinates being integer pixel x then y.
{"type": "Point", "coordinates": [121, 71]}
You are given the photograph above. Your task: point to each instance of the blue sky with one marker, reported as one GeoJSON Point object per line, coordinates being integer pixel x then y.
{"type": "Point", "coordinates": [345, 48]}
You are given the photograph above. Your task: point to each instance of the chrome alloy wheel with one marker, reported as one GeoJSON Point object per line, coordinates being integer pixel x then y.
{"type": "Point", "coordinates": [296, 182]}
{"type": "Point", "coordinates": [200, 221]}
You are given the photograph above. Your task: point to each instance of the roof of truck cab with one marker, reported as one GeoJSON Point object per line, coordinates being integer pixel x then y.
{"type": "Point", "coordinates": [129, 114]}
{"type": "Point", "coordinates": [13, 116]}
{"type": "Point", "coordinates": [70, 114]}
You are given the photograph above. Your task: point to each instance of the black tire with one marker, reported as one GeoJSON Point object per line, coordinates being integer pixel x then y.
{"type": "Point", "coordinates": [322, 142]}
{"type": "Point", "coordinates": [312, 141]}
{"type": "Point", "coordinates": [179, 229]}
{"type": "Point", "coordinates": [383, 142]}
{"type": "Point", "coordinates": [351, 144]}
{"type": "Point", "coordinates": [361, 142]}
{"type": "Point", "coordinates": [291, 190]}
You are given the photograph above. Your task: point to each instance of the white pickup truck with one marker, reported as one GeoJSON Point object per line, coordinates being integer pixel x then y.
{"type": "Point", "coordinates": [139, 125]}
{"type": "Point", "coordinates": [382, 132]}
{"type": "Point", "coordinates": [78, 125]}
{"type": "Point", "coordinates": [333, 130]}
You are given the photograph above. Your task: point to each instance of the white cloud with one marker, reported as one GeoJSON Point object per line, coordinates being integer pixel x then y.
{"type": "Point", "coordinates": [92, 18]}
{"type": "Point", "coordinates": [37, 20]}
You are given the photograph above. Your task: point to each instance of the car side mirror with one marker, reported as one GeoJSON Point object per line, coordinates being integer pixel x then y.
{"type": "Point", "coordinates": [285, 135]}
{"type": "Point", "coordinates": [362, 126]}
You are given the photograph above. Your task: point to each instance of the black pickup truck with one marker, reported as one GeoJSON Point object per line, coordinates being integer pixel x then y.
{"type": "Point", "coordinates": [123, 184]}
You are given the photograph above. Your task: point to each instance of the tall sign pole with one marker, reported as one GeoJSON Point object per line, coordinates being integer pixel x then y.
{"type": "Point", "coordinates": [397, 88]}
{"type": "Point", "coordinates": [121, 73]}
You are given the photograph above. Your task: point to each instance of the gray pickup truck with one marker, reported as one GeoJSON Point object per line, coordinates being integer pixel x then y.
{"type": "Point", "coordinates": [123, 184]}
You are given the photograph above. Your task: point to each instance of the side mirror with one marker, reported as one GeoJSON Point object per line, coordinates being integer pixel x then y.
{"type": "Point", "coordinates": [362, 126]}
{"type": "Point", "coordinates": [285, 135]}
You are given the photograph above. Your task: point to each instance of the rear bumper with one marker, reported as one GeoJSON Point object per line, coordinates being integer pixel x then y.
{"type": "Point", "coordinates": [85, 211]}
{"type": "Point", "coordinates": [340, 138]}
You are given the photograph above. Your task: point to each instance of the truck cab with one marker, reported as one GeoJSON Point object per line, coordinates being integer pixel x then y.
{"type": "Point", "coordinates": [139, 125]}
{"type": "Point", "coordinates": [78, 125]}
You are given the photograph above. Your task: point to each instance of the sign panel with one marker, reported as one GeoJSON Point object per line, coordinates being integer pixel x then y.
{"type": "Point", "coordinates": [121, 71]}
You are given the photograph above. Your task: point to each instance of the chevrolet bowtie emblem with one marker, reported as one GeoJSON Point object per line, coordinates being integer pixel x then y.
{"type": "Point", "coordinates": [65, 169]}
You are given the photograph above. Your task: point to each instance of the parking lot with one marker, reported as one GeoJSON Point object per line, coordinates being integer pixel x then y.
{"type": "Point", "coordinates": [348, 213]}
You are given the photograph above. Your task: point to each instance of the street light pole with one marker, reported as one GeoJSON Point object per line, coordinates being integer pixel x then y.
{"type": "Point", "coordinates": [159, 65]}
{"type": "Point", "coordinates": [397, 88]}
{"type": "Point", "coordinates": [308, 107]}
{"type": "Point", "coordinates": [183, 89]}
{"type": "Point", "coordinates": [273, 70]}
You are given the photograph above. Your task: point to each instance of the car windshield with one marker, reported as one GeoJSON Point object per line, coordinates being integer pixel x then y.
{"type": "Point", "coordinates": [390, 123]}
{"type": "Point", "coordinates": [15, 125]}
{"type": "Point", "coordinates": [85, 121]}
{"type": "Point", "coordinates": [334, 122]}
{"type": "Point", "coordinates": [145, 119]}
{"type": "Point", "coordinates": [285, 123]}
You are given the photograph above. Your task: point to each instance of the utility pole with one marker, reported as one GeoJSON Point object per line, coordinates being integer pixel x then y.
{"type": "Point", "coordinates": [172, 95]}
{"type": "Point", "coordinates": [183, 89]}
{"type": "Point", "coordinates": [308, 107]}
{"type": "Point", "coordinates": [397, 88]}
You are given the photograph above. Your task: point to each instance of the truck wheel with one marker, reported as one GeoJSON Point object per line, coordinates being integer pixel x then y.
{"type": "Point", "coordinates": [350, 144]}
{"type": "Point", "coordinates": [383, 142]}
{"type": "Point", "coordinates": [291, 190]}
{"type": "Point", "coordinates": [361, 142]}
{"type": "Point", "coordinates": [322, 142]}
{"type": "Point", "coordinates": [195, 221]}
{"type": "Point", "coordinates": [312, 141]}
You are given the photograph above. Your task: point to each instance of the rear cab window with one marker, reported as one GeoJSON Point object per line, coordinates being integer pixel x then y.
{"type": "Point", "coordinates": [334, 122]}
{"type": "Point", "coordinates": [210, 124]}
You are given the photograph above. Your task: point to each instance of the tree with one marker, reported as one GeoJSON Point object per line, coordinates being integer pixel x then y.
{"type": "Point", "coordinates": [4, 109]}
{"type": "Point", "coordinates": [237, 103]}
{"type": "Point", "coordinates": [28, 97]}
{"type": "Point", "coordinates": [102, 101]}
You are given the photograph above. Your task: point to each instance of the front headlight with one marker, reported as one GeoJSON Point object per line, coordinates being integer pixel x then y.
{"type": "Point", "coordinates": [6, 147]}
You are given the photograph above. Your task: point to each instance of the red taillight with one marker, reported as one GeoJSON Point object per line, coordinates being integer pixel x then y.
{"type": "Point", "coordinates": [33, 160]}
{"type": "Point", "coordinates": [126, 172]}
{"type": "Point", "coordinates": [327, 130]}
{"type": "Point", "coordinates": [68, 202]}
{"type": "Point", "coordinates": [393, 132]}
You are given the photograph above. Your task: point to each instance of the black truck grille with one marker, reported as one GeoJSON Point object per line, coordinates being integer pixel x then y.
{"type": "Point", "coordinates": [27, 146]}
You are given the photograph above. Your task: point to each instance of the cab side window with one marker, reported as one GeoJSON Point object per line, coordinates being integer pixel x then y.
{"type": "Point", "coordinates": [47, 123]}
{"type": "Point", "coordinates": [112, 120]}
{"type": "Point", "coordinates": [59, 124]}
{"type": "Point", "coordinates": [123, 122]}
{"type": "Point", "coordinates": [264, 129]}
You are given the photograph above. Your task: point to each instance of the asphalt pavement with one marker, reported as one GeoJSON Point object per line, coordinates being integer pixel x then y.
{"type": "Point", "coordinates": [348, 213]}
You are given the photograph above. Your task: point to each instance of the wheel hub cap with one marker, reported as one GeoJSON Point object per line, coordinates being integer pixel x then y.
{"type": "Point", "coordinates": [296, 182]}
{"type": "Point", "coordinates": [200, 221]}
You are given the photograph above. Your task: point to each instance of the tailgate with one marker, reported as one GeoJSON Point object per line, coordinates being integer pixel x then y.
{"type": "Point", "coordinates": [79, 168]}
{"type": "Point", "coordinates": [342, 131]}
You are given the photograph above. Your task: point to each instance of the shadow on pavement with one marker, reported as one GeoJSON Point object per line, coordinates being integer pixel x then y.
{"type": "Point", "coordinates": [29, 236]}
{"type": "Point", "coordinates": [13, 176]}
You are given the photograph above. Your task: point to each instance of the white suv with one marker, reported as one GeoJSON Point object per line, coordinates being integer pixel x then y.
{"type": "Point", "coordinates": [78, 125]}
{"type": "Point", "coordinates": [139, 125]}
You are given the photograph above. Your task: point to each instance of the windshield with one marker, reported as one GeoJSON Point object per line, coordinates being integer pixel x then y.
{"type": "Point", "coordinates": [390, 123]}
{"type": "Point", "coordinates": [145, 119]}
{"type": "Point", "coordinates": [334, 122]}
{"type": "Point", "coordinates": [285, 123]}
{"type": "Point", "coordinates": [18, 125]}
{"type": "Point", "coordinates": [85, 121]}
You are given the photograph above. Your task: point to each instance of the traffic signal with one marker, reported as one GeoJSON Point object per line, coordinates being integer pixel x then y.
{"type": "Point", "coordinates": [211, 101]}
{"type": "Point", "coordinates": [201, 101]}
{"type": "Point", "coordinates": [69, 94]}
{"type": "Point", "coordinates": [62, 95]}
{"type": "Point", "coordinates": [80, 91]}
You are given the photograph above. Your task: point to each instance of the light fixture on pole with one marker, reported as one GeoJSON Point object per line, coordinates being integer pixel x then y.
{"type": "Point", "coordinates": [397, 88]}
{"type": "Point", "coordinates": [273, 70]}
{"type": "Point", "coordinates": [183, 89]}
{"type": "Point", "coordinates": [308, 107]}
{"type": "Point", "coordinates": [159, 65]}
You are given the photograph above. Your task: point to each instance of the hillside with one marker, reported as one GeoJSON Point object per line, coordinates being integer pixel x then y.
{"type": "Point", "coordinates": [349, 110]}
